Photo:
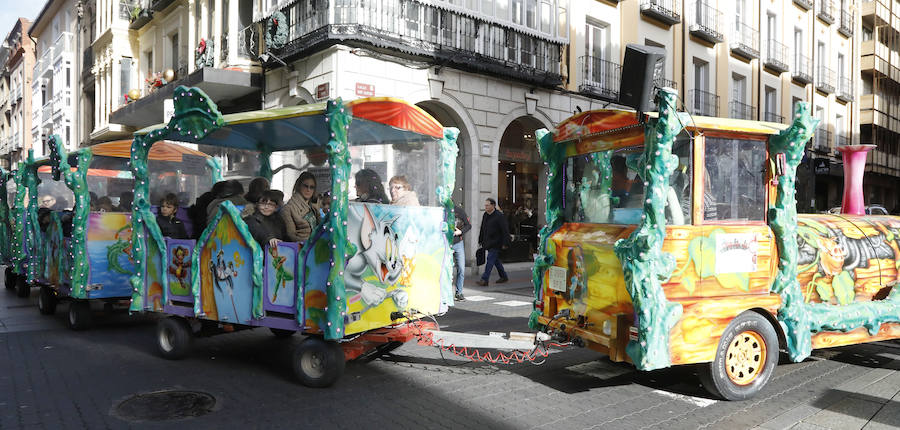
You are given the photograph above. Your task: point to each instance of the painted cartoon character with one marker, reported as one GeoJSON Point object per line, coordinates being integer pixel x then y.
{"type": "Point", "coordinates": [282, 276]}
{"type": "Point", "coordinates": [377, 265]}
{"type": "Point", "coordinates": [223, 275]}
{"type": "Point", "coordinates": [179, 266]}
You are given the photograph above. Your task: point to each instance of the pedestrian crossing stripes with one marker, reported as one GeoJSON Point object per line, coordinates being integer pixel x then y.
{"type": "Point", "coordinates": [513, 303]}
{"type": "Point", "coordinates": [478, 298]}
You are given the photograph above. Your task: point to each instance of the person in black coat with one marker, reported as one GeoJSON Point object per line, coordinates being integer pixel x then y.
{"type": "Point", "coordinates": [459, 249]}
{"type": "Point", "coordinates": [493, 237]}
{"type": "Point", "coordinates": [168, 224]}
{"type": "Point", "coordinates": [265, 224]}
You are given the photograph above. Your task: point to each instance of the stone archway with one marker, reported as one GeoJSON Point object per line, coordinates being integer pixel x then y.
{"type": "Point", "coordinates": [519, 174]}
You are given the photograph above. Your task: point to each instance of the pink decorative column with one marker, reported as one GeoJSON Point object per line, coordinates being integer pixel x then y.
{"type": "Point", "coordinates": [854, 166]}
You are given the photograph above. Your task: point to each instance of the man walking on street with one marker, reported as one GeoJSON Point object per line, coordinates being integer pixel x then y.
{"type": "Point", "coordinates": [493, 237]}
{"type": "Point", "coordinates": [459, 249]}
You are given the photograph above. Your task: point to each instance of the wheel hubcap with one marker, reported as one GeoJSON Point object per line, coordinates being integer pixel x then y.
{"type": "Point", "coordinates": [313, 364]}
{"type": "Point", "coordinates": [165, 340]}
{"type": "Point", "coordinates": [745, 357]}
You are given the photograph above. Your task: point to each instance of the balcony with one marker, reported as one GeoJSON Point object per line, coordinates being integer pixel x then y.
{"type": "Point", "coordinates": [821, 139]}
{"type": "Point", "coordinates": [741, 110]}
{"type": "Point", "coordinates": [802, 71]}
{"type": "Point", "coordinates": [706, 23]}
{"type": "Point", "coordinates": [64, 44]}
{"type": "Point", "coordinates": [665, 83]}
{"type": "Point", "coordinates": [805, 4]}
{"type": "Point", "coordinates": [776, 56]}
{"type": "Point", "coordinates": [745, 41]}
{"type": "Point", "coordinates": [825, 80]}
{"type": "Point", "coordinates": [845, 89]}
{"type": "Point", "coordinates": [704, 103]}
{"type": "Point", "coordinates": [665, 11]}
{"type": "Point", "coordinates": [433, 32]}
{"type": "Point", "coordinates": [773, 117]}
{"type": "Point", "coordinates": [825, 11]}
{"type": "Point", "coordinates": [160, 5]}
{"type": "Point", "coordinates": [841, 139]}
{"type": "Point", "coordinates": [599, 78]}
{"type": "Point", "coordinates": [846, 27]}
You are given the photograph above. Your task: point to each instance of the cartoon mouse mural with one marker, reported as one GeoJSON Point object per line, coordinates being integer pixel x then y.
{"type": "Point", "coordinates": [377, 265]}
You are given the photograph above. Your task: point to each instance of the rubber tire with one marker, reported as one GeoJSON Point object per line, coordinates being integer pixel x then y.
{"type": "Point", "coordinates": [47, 301]}
{"type": "Point", "coordinates": [10, 280]}
{"type": "Point", "coordinates": [713, 375]}
{"type": "Point", "coordinates": [281, 333]}
{"type": "Point", "coordinates": [23, 289]}
{"type": "Point", "coordinates": [173, 338]}
{"type": "Point", "coordinates": [80, 316]}
{"type": "Point", "coordinates": [329, 362]}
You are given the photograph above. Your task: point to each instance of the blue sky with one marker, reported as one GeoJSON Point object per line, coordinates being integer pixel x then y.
{"type": "Point", "coordinates": [10, 10]}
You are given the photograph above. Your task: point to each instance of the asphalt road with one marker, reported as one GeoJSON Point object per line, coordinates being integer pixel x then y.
{"type": "Point", "coordinates": [55, 378]}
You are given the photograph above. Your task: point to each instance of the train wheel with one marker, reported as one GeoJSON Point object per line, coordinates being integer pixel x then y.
{"type": "Point", "coordinates": [281, 333]}
{"type": "Point", "coordinates": [10, 281]}
{"type": "Point", "coordinates": [80, 314]}
{"type": "Point", "coordinates": [317, 363]}
{"type": "Point", "coordinates": [23, 289]}
{"type": "Point", "coordinates": [47, 301]}
{"type": "Point", "coordinates": [745, 359]}
{"type": "Point", "coordinates": [173, 337]}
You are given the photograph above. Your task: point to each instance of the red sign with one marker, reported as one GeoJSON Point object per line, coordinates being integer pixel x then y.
{"type": "Point", "coordinates": [322, 91]}
{"type": "Point", "coordinates": [365, 90]}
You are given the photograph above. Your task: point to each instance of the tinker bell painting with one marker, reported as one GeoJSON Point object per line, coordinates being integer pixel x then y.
{"type": "Point", "coordinates": [109, 251]}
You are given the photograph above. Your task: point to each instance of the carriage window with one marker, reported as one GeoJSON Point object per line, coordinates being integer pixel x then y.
{"type": "Point", "coordinates": [402, 174]}
{"type": "Point", "coordinates": [734, 180]}
{"type": "Point", "coordinates": [603, 187]}
{"type": "Point", "coordinates": [54, 195]}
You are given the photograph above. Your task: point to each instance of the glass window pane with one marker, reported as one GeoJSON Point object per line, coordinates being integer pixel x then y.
{"type": "Point", "coordinates": [734, 180]}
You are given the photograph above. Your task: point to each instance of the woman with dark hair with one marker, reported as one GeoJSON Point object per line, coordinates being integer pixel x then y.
{"type": "Point", "coordinates": [369, 188]}
{"type": "Point", "coordinates": [265, 225]}
{"type": "Point", "coordinates": [301, 213]}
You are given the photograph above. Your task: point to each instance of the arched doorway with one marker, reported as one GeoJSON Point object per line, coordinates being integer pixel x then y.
{"type": "Point", "coordinates": [518, 186]}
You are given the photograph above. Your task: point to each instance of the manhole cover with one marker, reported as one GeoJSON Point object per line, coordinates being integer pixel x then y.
{"type": "Point", "coordinates": [166, 405]}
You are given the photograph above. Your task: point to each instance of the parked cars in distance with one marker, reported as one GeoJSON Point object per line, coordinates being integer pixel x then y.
{"type": "Point", "coordinates": [870, 210]}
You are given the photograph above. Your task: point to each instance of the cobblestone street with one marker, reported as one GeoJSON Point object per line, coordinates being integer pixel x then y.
{"type": "Point", "coordinates": [57, 378]}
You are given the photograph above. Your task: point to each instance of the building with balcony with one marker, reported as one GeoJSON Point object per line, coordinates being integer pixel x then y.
{"type": "Point", "coordinates": [209, 44]}
{"type": "Point", "coordinates": [18, 69]}
{"type": "Point", "coordinates": [54, 89]}
{"type": "Point", "coordinates": [879, 112]}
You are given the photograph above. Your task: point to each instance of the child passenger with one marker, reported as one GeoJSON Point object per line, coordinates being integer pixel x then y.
{"type": "Point", "coordinates": [266, 226]}
{"type": "Point", "coordinates": [170, 226]}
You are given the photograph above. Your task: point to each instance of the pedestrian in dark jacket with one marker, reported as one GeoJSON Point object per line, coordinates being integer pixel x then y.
{"type": "Point", "coordinates": [168, 224]}
{"type": "Point", "coordinates": [493, 237]}
{"type": "Point", "coordinates": [459, 248]}
{"type": "Point", "coordinates": [233, 192]}
{"type": "Point", "coordinates": [266, 225]}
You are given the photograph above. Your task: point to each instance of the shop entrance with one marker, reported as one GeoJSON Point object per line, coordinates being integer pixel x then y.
{"type": "Point", "coordinates": [518, 190]}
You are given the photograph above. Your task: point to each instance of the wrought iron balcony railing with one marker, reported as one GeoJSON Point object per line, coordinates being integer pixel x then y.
{"type": "Point", "coordinates": [741, 110]}
{"type": "Point", "coordinates": [745, 41]}
{"type": "Point", "coordinates": [846, 27]}
{"type": "Point", "coordinates": [825, 10]}
{"type": "Point", "coordinates": [704, 103]}
{"type": "Point", "coordinates": [706, 22]}
{"type": "Point", "coordinates": [458, 39]}
{"type": "Point", "coordinates": [821, 139]}
{"type": "Point", "coordinates": [776, 56]}
{"type": "Point", "coordinates": [825, 79]}
{"type": "Point", "coordinates": [665, 83]}
{"type": "Point", "coordinates": [805, 4]}
{"type": "Point", "coordinates": [802, 70]}
{"type": "Point", "coordinates": [665, 11]}
{"type": "Point", "coordinates": [845, 89]}
{"type": "Point", "coordinates": [841, 139]}
{"type": "Point", "coordinates": [599, 77]}
{"type": "Point", "coordinates": [773, 117]}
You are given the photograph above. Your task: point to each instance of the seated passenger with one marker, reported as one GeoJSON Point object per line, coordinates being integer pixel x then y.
{"type": "Point", "coordinates": [369, 188]}
{"type": "Point", "coordinates": [43, 215]}
{"type": "Point", "coordinates": [197, 212]}
{"type": "Point", "coordinates": [47, 201]}
{"type": "Point", "coordinates": [266, 226]}
{"type": "Point", "coordinates": [104, 204]}
{"type": "Point", "coordinates": [301, 213]}
{"type": "Point", "coordinates": [168, 224]}
{"type": "Point", "coordinates": [93, 200]}
{"type": "Point", "coordinates": [254, 191]}
{"type": "Point", "coordinates": [232, 191]}
{"type": "Point", "coordinates": [402, 193]}
{"type": "Point", "coordinates": [125, 201]}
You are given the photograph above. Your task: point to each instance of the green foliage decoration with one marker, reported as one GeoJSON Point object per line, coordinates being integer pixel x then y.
{"type": "Point", "coordinates": [5, 224]}
{"type": "Point", "coordinates": [276, 31]}
{"type": "Point", "coordinates": [644, 264]}
{"type": "Point", "coordinates": [18, 252]}
{"type": "Point", "coordinates": [77, 182]}
{"type": "Point", "coordinates": [195, 117]}
{"type": "Point", "coordinates": [32, 235]}
{"type": "Point", "coordinates": [553, 156]}
{"type": "Point", "coordinates": [445, 196]}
